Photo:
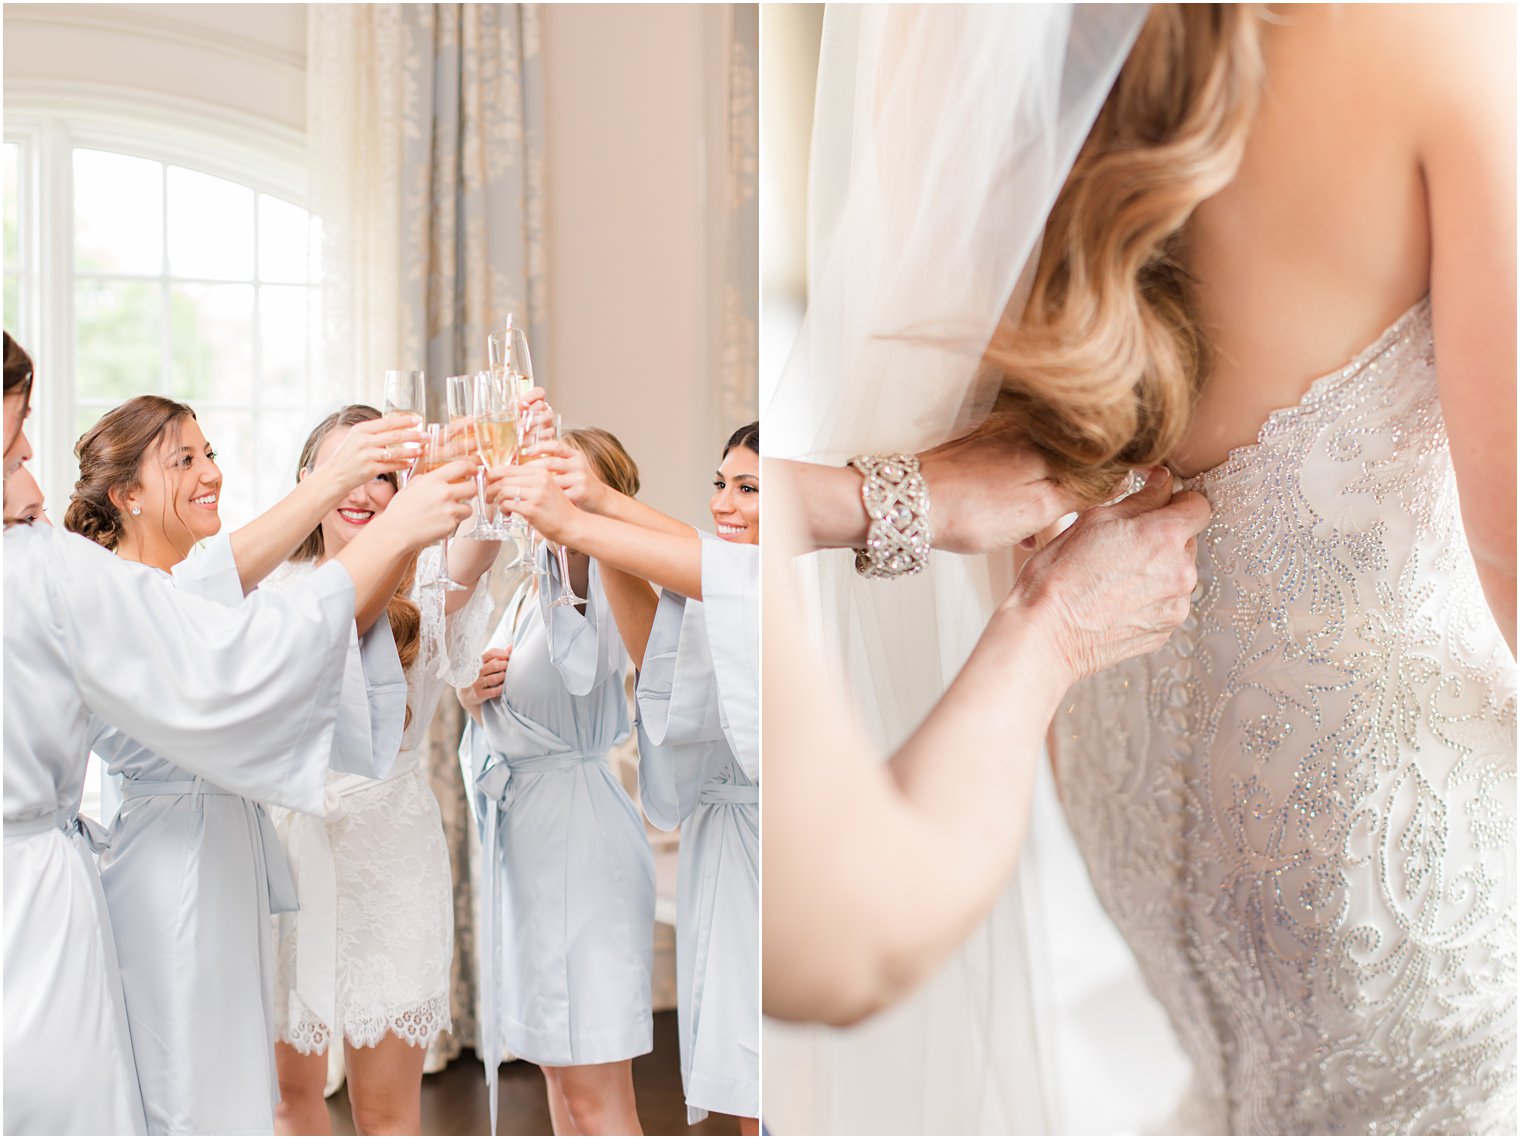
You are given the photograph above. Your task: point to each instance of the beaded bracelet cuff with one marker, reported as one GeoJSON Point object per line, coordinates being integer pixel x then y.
{"type": "Point", "coordinates": [897, 500]}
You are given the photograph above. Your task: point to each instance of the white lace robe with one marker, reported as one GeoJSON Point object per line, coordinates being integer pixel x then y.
{"type": "Point", "coordinates": [369, 950]}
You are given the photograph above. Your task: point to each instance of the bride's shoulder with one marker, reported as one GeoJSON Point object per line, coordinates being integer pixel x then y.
{"type": "Point", "coordinates": [1414, 57]}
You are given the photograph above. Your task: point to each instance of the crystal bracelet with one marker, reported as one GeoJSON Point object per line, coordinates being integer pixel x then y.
{"type": "Point", "coordinates": [897, 500]}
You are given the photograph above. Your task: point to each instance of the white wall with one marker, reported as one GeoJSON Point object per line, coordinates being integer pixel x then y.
{"type": "Point", "coordinates": [248, 59]}
{"type": "Point", "coordinates": [627, 110]}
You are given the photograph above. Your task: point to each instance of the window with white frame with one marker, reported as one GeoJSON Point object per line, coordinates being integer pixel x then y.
{"type": "Point", "coordinates": [139, 263]}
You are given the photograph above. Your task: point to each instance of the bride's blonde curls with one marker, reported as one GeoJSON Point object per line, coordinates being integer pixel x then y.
{"type": "Point", "coordinates": [1102, 370]}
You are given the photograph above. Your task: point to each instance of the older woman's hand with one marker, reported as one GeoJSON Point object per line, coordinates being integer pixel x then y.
{"type": "Point", "coordinates": [1119, 581]}
{"type": "Point", "coordinates": [989, 490]}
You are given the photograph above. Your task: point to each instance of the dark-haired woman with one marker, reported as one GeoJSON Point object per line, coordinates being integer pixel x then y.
{"type": "Point", "coordinates": [697, 647]}
{"type": "Point", "coordinates": [194, 869]}
{"type": "Point", "coordinates": [365, 962]}
{"type": "Point", "coordinates": [200, 683]}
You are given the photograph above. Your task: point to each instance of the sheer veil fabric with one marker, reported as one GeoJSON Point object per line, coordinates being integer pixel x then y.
{"type": "Point", "coordinates": [942, 138]}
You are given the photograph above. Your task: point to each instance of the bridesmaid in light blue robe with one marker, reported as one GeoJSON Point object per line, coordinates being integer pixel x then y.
{"type": "Point", "coordinates": [85, 633]}
{"type": "Point", "coordinates": [699, 748]}
{"type": "Point", "coordinates": [567, 901]}
{"type": "Point", "coordinates": [699, 737]}
{"type": "Point", "coordinates": [193, 872]}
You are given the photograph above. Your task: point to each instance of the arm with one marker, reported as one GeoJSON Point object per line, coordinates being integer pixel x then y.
{"type": "Point", "coordinates": [986, 491]}
{"type": "Point", "coordinates": [579, 481]}
{"type": "Point", "coordinates": [890, 867]}
{"type": "Point", "coordinates": [670, 560]}
{"type": "Point", "coordinates": [468, 562]}
{"type": "Point", "coordinates": [633, 604]}
{"type": "Point", "coordinates": [1468, 159]}
{"type": "Point", "coordinates": [429, 507]}
{"type": "Point", "coordinates": [274, 535]}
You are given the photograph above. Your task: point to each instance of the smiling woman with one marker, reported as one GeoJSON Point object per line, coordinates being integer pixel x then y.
{"type": "Point", "coordinates": [148, 482]}
{"type": "Point", "coordinates": [735, 503]}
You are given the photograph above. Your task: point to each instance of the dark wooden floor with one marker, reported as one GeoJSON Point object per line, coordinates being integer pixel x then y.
{"type": "Point", "coordinates": [454, 1100]}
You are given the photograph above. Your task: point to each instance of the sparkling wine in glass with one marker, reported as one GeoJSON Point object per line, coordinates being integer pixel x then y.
{"type": "Point", "coordinates": [438, 449]}
{"type": "Point", "coordinates": [495, 413]}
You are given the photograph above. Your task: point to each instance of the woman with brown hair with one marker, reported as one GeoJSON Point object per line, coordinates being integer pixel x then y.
{"type": "Point", "coordinates": [567, 900]}
{"type": "Point", "coordinates": [366, 960]}
{"type": "Point", "coordinates": [1312, 861]}
{"type": "Point", "coordinates": [193, 869]}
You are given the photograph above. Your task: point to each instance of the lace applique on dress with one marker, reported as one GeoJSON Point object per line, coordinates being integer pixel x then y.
{"type": "Point", "coordinates": [1300, 812]}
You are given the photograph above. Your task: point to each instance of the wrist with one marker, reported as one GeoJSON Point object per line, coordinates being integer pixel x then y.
{"type": "Point", "coordinates": [607, 502]}
{"type": "Point", "coordinates": [933, 469]}
{"type": "Point", "coordinates": [573, 534]}
{"type": "Point", "coordinates": [1036, 622]}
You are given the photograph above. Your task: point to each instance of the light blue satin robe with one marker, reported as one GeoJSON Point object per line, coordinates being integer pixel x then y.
{"type": "Point", "coordinates": [567, 959]}
{"type": "Point", "coordinates": [699, 754]}
{"type": "Point", "coordinates": [215, 689]}
{"type": "Point", "coordinates": [192, 875]}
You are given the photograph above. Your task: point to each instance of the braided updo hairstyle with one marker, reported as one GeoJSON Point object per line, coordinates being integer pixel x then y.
{"type": "Point", "coordinates": [110, 458]}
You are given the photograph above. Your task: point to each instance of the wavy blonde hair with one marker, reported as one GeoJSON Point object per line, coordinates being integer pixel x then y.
{"type": "Point", "coordinates": [1101, 371]}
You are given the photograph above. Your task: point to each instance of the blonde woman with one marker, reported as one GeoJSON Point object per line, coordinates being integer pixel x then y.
{"type": "Point", "coordinates": [696, 648]}
{"type": "Point", "coordinates": [566, 957]}
{"type": "Point", "coordinates": [1288, 275]}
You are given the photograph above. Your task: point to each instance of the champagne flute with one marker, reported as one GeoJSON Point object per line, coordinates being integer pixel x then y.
{"type": "Point", "coordinates": [406, 392]}
{"type": "Point", "coordinates": [496, 439]}
{"type": "Point", "coordinates": [438, 448]}
{"type": "Point", "coordinates": [552, 422]}
{"type": "Point", "coordinates": [510, 360]}
{"type": "Point", "coordinates": [465, 420]}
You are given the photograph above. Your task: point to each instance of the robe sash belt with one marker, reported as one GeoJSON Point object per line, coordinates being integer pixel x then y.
{"type": "Point", "coordinates": [493, 784]}
{"type": "Point", "coordinates": [735, 794]}
{"type": "Point", "coordinates": [95, 836]}
{"type": "Point", "coordinates": [316, 888]}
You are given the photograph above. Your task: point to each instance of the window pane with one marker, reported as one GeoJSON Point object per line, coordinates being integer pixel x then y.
{"type": "Point", "coordinates": [117, 338]}
{"type": "Point", "coordinates": [211, 341]}
{"type": "Point", "coordinates": [85, 417]}
{"type": "Point", "coordinates": [210, 227]}
{"type": "Point", "coordinates": [12, 305]}
{"type": "Point", "coordinates": [282, 240]}
{"type": "Point", "coordinates": [118, 213]}
{"type": "Point", "coordinates": [230, 434]}
{"type": "Point", "coordinates": [280, 436]}
{"type": "Point", "coordinates": [12, 163]}
{"type": "Point", "coordinates": [282, 342]}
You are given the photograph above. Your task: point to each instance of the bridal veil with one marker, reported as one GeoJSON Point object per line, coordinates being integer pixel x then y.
{"type": "Point", "coordinates": [942, 137]}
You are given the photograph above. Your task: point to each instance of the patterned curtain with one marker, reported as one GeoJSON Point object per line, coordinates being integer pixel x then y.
{"type": "Point", "coordinates": [425, 136]}
{"type": "Point", "coordinates": [739, 365]}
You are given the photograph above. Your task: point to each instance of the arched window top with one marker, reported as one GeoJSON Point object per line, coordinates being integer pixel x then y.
{"type": "Point", "coordinates": [145, 254]}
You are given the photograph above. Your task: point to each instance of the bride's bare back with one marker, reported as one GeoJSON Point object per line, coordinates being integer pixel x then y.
{"type": "Point", "coordinates": [1381, 166]}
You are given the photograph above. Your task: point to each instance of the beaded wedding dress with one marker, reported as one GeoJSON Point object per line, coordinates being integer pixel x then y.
{"type": "Point", "coordinates": [1300, 812]}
